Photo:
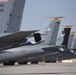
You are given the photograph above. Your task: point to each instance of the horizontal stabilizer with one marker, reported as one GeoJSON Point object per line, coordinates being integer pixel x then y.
{"type": "Point", "coordinates": [53, 48]}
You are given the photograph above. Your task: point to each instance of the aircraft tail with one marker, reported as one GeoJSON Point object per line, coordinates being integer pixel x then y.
{"type": "Point", "coordinates": [64, 36]}
{"type": "Point", "coordinates": [74, 44]}
{"type": "Point", "coordinates": [50, 34]}
{"type": "Point", "coordinates": [15, 17]}
{"type": "Point", "coordinates": [70, 40]}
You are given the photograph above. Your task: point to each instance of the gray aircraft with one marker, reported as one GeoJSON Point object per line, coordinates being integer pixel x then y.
{"type": "Point", "coordinates": [16, 37]}
{"type": "Point", "coordinates": [10, 56]}
{"type": "Point", "coordinates": [58, 54]}
{"type": "Point", "coordinates": [10, 22]}
{"type": "Point", "coordinates": [68, 53]}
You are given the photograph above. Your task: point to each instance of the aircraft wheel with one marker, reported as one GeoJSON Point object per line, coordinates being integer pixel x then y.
{"type": "Point", "coordinates": [34, 62]}
{"type": "Point", "coordinates": [54, 61]}
{"type": "Point", "coordinates": [8, 63]}
{"type": "Point", "coordinates": [5, 63]}
{"type": "Point", "coordinates": [22, 63]}
{"type": "Point", "coordinates": [48, 61]}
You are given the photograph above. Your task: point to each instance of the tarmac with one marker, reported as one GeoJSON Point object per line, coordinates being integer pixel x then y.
{"type": "Point", "coordinates": [39, 69]}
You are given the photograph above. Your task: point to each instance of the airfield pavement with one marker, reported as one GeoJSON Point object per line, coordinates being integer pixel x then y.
{"type": "Point", "coordinates": [39, 69]}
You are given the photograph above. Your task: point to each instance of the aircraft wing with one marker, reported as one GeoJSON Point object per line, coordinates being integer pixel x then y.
{"type": "Point", "coordinates": [15, 38]}
{"type": "Point", "coordinates": [53, 48]}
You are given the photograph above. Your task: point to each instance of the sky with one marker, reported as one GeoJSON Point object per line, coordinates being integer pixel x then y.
{"type": "Point", "coordinates": [35, 12]}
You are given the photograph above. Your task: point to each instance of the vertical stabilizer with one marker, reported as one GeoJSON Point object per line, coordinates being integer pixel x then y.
{"type": "Point", "coordinates": [52, 31]}
{"type": "Point", "coordinates": [74, 45]}
{"type": "Point", "coordinates": [67, 30]}
{"type": "Point", "coordinates": [15, 17]}
{"type": "Point", "coordinates": [70, 40]}
{"type": "Point", "coordinates": [5, 10]}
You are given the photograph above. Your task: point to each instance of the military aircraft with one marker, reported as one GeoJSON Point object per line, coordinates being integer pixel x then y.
{"type": "Point", "coordinates": [9, 54]}
{"type": "Point", "coordinates": [12, 55]}
{"type": "Point", "coordinates": [59, 54]}
{"type": "Point", "coordinates": [10, 34]}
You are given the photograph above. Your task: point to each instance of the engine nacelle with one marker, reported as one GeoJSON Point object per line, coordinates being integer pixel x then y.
{"type": "Point", "coordinates": [37, 37]}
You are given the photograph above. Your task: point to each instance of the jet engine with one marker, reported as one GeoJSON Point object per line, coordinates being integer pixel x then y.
{"type": "Point", "coordinates": [37, 37]}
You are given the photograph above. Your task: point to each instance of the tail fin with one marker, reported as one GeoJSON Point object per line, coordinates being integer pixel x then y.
{"type": "Point", "coordinates": [52, 31]}
{"type": "Point", "coordinates": [70, 40]}
{"type": "Point", "coordinates": [63, 38]}
{"type": "Point", "coordinates": [5, 9]}
{"type": "Point", "coordinates": [74, 45]}
{"type": "Point", "coordinates": [67, 30]}
{"type": "Point", "coordinates": [15, 16]}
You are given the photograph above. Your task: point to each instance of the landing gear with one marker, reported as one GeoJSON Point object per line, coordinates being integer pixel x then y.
{"type": "Point", "coordinates": [54, 61]}
{"type": "Point", "coordinates": [22, 63]}
{"type": "Point", "coordinates": [34, 62]}
{"type": "Point", "coordinates": [8, 63]}
{"type": "Point", "coordinates": [48, 61]}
